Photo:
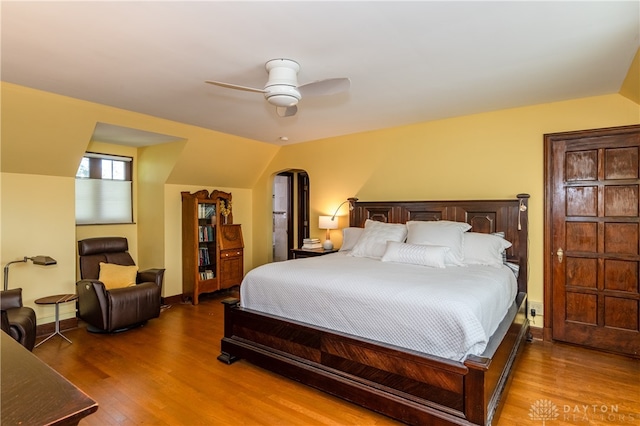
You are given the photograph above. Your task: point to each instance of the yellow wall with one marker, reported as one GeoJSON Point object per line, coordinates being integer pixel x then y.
{"type": "Point", "coordinates": [154, 166]}
{"type": "Point", "coordinates": [631, 85]}
{"type": "Point", "coordinates": [44, 137]}
{"type": "Point", "coordinates": [38, 218]}
{"type": "Point", "coordinates": [491, 155]}
{"type": "Point", "coordinates": [47, 134]}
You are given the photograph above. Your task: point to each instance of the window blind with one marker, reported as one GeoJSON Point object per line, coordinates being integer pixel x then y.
{"type": "Point", "coordinates": [103, 201]}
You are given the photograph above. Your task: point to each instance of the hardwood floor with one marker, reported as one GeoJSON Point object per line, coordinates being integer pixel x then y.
{"type": "Point", "coordinates": [166, 373]}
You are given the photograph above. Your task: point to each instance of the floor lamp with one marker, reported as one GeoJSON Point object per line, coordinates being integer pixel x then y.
{"type": "Point", "coordinates": [37, 260]}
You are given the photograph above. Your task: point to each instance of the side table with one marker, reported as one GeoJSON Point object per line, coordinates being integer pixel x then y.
{"type": "Point", "coordinates": [302, 253]}
{"type": "Point", "coordinates": [56, 300]}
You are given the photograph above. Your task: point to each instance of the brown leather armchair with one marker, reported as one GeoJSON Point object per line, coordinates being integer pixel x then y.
{"type": "Point", "coordinates": [116, 309]}
{"type": "Point", "coordinates": [18, 321]}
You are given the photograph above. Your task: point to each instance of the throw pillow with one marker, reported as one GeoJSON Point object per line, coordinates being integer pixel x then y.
{"type": "Point", "coordinates": [117, 276]}
{"type": "Point", "coordinates": [415, 254]}
{"type": "Point", "coordinates": [440, 233]}
{"type": "Point", "coordinates": [373, 241]}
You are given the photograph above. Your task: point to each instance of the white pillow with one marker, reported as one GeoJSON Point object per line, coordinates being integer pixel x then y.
{"type": "Point", "coordinates": [440, 233]}
{"type": "Point", "coordinates": [373, 241]}
{"type": "Point", "coordinates": [484, 249]}
{"type": "Point", "coordinates": [350, 237]}
{"type": "Point", "coordinates": [504, 253]}
{"type": "Point", "coordinates": [415, 254]}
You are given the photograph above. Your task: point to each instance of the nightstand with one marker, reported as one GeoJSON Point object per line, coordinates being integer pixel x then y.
{"type": "Point", "coordinates": [302, 253]}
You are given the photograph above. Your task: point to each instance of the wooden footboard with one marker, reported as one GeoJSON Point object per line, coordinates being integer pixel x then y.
{"type": "Point", "coordinates": [409, 386]}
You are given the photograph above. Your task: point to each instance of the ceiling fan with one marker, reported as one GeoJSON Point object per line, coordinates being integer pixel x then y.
{"type": "Point", "coordinates": [282, 89]}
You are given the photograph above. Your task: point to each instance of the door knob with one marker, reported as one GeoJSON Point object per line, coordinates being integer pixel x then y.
{"type": "Point", "coordinates": [560, 254]}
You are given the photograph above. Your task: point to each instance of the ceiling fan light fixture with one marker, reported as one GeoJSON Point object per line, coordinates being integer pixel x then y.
{"type": "Point", "coordinates": [283, 100]}
{"type": "Point", "coordinates": [282, 95]}
{"type": "Point", "coordinates": [282, 89]}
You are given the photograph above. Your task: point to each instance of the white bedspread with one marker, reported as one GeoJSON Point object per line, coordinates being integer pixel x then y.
{"type": "Point", "coordinates": [449, 312]}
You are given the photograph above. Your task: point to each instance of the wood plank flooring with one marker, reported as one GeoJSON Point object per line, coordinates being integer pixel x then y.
{"type": "Point", "coordinates": [166, 373]}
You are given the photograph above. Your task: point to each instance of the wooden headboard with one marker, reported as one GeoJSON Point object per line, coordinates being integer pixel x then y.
{"type": "Point", "coordinates": [508, 216]}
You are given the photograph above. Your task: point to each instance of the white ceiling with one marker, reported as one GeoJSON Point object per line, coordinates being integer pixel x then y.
{"type": "Point", "coordinates": [408, 62]}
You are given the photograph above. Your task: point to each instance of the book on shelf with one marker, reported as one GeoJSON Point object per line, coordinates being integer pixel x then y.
{"type": "Point", "coordinates": [205, 211]}
{"type": "Point", "coordinates": [203, 256]}
{"type": "Point", "coordinates": [205, 233]}
{"type": "Point", "coordinates": [207, 274]}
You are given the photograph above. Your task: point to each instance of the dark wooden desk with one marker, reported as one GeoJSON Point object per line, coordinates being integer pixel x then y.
{"type": "Point", "coordinates": [32, 393]}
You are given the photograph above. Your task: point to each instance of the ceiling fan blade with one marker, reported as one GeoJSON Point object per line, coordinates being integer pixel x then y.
{"type": "Point", "coordinates": [287, 111]}
{"type": "Point", "coordinates": [329, 86]}
{"type": "Point", "coordinates": [235, 86]}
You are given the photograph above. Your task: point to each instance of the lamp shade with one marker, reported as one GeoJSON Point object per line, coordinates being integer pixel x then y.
{"type": "Point", "coordinates": [43, 260]}
{"type": "Point", "coordinates": [325, 222]}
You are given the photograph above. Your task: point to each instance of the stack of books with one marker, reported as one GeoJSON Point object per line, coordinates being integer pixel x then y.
{"type": "Point", "coordinates": [207, 274]}
{"type": "Point", "coordinates": [205, 211]}
{"type": "Point", "coordinates": [311, 243]}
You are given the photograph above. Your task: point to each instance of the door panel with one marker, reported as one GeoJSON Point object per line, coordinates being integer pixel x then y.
{"type": "Point", "coordinates": [592, 204]}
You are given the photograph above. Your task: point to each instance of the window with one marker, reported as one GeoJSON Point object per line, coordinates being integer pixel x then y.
{"type": "Point", "coordinates": [103, 190]}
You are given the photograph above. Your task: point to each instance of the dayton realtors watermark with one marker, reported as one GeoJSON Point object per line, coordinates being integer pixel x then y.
{"type": "Point", "coordinates": [545, 411]}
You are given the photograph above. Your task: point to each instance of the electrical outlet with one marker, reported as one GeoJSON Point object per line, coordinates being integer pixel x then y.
{"type": "Point", "coordinates": [538, 306]}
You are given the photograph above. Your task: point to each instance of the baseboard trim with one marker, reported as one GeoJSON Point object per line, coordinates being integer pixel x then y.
{"type": "Point", "coordinates": [181, 298]}
{"type": "Point", "coordinates": [48, 328]}
{"type": "Point", "coordinates": [173, 300]}
{"type": "Point", "coordinates": [536, 332]}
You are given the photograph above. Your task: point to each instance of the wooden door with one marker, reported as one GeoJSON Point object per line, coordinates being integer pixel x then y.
{"type": "Point", "coordinates": [591, 237]}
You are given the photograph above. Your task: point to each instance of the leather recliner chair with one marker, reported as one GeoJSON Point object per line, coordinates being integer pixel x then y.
{"type": "Point", "coordinates": [18, 321]}
{"type": "Point", "coordinates": [116, 309]}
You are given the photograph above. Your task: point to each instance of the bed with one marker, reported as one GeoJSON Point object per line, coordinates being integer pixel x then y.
{"type": "Point", "coordinates": [384, 372]}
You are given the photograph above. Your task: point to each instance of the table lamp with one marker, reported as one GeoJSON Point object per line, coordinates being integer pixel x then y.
{"type": "Point", "coordinates": [327, 223]}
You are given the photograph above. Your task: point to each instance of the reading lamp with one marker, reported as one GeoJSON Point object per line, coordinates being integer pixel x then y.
{"type": "Point", "coordinates": [37, 260]}
{"type": "Point", "coordinates": [351, 202]}
{"type": "Point", "coordinates": [330, 222]}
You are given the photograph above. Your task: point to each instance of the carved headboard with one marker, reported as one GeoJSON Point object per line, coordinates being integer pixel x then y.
{"type": "Point", "coordinates": [508, 216]}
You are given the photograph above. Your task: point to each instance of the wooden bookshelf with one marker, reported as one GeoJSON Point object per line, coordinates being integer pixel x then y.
{"type": "Point", "coordinates": [212, 246]}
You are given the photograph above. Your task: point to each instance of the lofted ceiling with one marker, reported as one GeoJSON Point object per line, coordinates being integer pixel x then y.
{"type": "Point", "coordinates": [408, 62]}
